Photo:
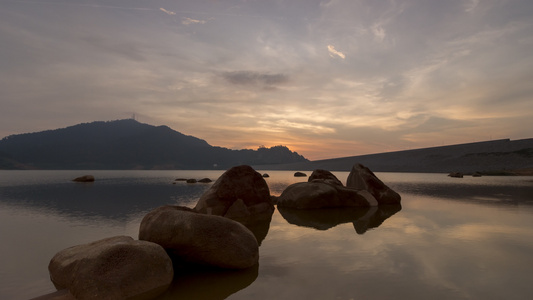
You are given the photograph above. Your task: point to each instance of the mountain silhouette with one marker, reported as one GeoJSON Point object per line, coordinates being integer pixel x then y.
{"type": "Point", "coordinates": [127, 144]}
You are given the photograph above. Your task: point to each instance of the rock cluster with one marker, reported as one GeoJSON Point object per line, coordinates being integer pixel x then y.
{"type": "Point", "coordinates": [223, 231]}
{"type": "Point", "coordinates": [324, 190]}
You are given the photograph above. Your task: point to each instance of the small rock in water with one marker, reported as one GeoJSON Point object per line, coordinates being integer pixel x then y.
{"type": "Point", "coordinates": [456, 174]}
{"type": "Point", "coordinates": [85, 178]}
{"type": "Point", "coordinates": [300, 174]}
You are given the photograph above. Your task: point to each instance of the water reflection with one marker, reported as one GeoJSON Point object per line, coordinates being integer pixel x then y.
{"type": "Point", "coordinates": [512, 193]}
{"type": "Point", "coordinates": [259, 228]}
{"type": "Point", "coordinates": [363, 218]}
{"type": "Point", "coordinates": [468, 248]}
{"type": "Point", "coordinates": [209, 284]}
{"type": "Point", "coordinates": [98, 200]}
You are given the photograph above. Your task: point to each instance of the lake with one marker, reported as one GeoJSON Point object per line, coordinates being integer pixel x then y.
{"type": "Point", "coordinates": [453, 238]}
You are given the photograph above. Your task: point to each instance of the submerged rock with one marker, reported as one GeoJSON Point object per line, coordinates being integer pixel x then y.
{"type": "Point", "coordinates": [113, 268]}
{"type": "Point", "coordinates": [324, 176]}
{"type": "Point", "coordinates": [456, 174]}
{"type": "Point", "coordinates": [205, 180]}
{"type": "Point", "coordinates": [240, 194]}
{"type": "Point", "coordinates": [300, 174]}
{"type": "Point", "coordinates": [361, 178]}
{"type": "Point", "coordinates": [85, 178]}
{"type": "Point", "coordinates": [200, 239]}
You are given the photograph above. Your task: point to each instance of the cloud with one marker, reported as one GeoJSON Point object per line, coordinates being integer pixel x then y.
{"type": "Point", "coordinates": [333, 52]}
{"type": "Point", "coordinates": [471, 5]}
{"type": "Point", "coordinates": [252, 78]}
{"type": "Point", "coordinates": [379, 32]}
{"type": "Point", "coordinates": [168, 12]}
{"type": "Point", "coordinates": [189, 21]}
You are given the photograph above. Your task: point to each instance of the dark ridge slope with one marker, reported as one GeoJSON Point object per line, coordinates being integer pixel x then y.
{"type": "Point", "coordinates": [126, 144]}
{"type": "Point", "coordinates": [487, 156]}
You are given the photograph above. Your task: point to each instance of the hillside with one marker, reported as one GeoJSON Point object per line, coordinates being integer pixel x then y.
{"type": "Point", "coordinates": [127, 144]}
{"type": "Point", "coordinates": [495, 157]}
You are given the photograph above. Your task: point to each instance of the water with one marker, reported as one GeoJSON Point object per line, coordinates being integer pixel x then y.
{"type": "Point", "coordinates": [468, 238]}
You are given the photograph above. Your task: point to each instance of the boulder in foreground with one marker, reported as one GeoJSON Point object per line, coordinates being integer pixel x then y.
{"type": "Point", "coordinates": [113, 268]}
{"type": "Point", "coordinates": [193, 238]}
{"type": "Point", "coordinates": [361, 178]}
{"type": "Point", "coordinates": [240, 194]}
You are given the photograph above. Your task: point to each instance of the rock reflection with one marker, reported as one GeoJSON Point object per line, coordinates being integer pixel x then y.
{"type": "Point", "coordinates": [259, 227]}
{"type": "Point", "coordinates": [209, 284]}
{"type": "Point", "coordinates": [363, 218]}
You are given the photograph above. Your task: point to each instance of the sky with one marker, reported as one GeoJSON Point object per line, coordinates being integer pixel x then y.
{"type": "Point", "coordinates": [330, 78]}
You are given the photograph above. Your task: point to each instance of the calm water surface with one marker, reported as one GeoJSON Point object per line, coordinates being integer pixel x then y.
{"type": "Point", "coordinates": [469, 238]}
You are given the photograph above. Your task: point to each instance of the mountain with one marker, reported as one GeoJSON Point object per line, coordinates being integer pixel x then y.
{"type": "Point", "coordinates": [127, 144]}
{"type": "Point", "coordinates": [505, 157]}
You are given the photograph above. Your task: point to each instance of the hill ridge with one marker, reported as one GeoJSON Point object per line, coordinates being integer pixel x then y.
{"type": "Point", "coordinates": [126, 144]}
{"type": "Point", "coordinates": [482, 156]}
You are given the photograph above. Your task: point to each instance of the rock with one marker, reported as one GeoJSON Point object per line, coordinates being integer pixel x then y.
{"type": "Point", "coordinates": [240, 193]}
{"type": "Point", "coordinates": [266, 175]}
{"type": "Point", "coordinates": [85, 178]}
{"type": "Point", "coordinates": [191, 181]}
{"type": "Point", "coordinates": [361, 178]}
{"type": "Point", "coordinates": [205, 180]}
{"type": "Point", "coordinates": [181, 179]}
{"type": "Point", "coordinates": [324, 176]}
{"type": "Point", "coordinates": [113, 268]}
{"type": "Point", "coordinates": [456, 174]}
{"type": "Point", "coordinates": [300, 174]}
{"type": "Point", "coordinates": [317, 194]}
{"type": "Point", "coordinates": [192, 238]}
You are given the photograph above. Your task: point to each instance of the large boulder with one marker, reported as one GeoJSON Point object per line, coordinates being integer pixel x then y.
{"type": "Point", "coordinates": [240, 194]}
{"type": "Point", "coordinates": [317, 194]}
{"type": "Point", "coordinates": [113, 268]}
{"type": "Point", "coordinates": [199, 239]}
{"type": "Point", "coordinates": [361, 178]}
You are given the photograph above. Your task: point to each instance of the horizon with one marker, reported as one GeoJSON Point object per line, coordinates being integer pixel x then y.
{"type": "Point", "coordinates": [311, 160]}
{"type": "Point", "coordinates": [327, 79]}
